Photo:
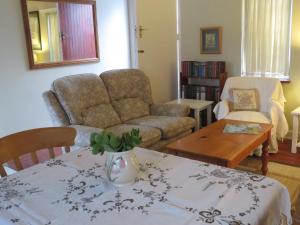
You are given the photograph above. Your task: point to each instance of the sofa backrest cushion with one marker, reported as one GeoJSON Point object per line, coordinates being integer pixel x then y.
{"type": "Point", "coordinates": [131, 108]}
{"type": "Point", "coordinates": [130, 92]}
{"type": "Point", "coordinates": [85, 100]}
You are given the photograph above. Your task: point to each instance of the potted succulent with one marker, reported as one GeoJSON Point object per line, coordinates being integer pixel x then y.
{"type": "Point", "coordinates": [121, 166]}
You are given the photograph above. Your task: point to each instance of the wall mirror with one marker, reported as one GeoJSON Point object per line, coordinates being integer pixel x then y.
{"type": "Point", "coordinates": [60, 32]}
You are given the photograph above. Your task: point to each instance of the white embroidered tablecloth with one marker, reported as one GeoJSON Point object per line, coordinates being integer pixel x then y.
{"type": "Point", "coordinates": [170, 190]}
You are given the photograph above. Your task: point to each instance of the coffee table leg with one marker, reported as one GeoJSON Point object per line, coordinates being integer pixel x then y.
{"type": "Point", "coordinates": [265, 157]}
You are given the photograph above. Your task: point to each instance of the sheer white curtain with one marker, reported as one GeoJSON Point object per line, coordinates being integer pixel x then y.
{"type": "Point", "coordinates": [266, 38]}
{"type": "Point", "coordinates": [53, 38]}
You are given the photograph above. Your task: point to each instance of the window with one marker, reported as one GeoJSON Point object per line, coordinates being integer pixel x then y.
{"type": "Point", "coordinates": [266, 38]}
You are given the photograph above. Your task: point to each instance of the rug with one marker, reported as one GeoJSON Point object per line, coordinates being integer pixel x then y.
{"type": "Point", "coordinates": [289, 176]}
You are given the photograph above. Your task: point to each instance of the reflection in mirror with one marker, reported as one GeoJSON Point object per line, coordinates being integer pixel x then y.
{"type": "Point", "coordinates": [44, 30]}
{"type": "Point", "coordinates": [60, 32]}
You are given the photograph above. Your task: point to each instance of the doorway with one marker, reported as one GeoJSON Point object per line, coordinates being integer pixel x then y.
{"type": "Point", "coordinates": [155, 44]}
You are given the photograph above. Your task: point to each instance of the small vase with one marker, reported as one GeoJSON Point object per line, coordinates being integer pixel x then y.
{"type": "Point", "coordinates": [121, 167]}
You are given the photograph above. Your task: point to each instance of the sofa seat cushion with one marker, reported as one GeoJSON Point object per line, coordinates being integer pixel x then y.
{"type": "Point", "coordinates": [79, 94]}
{"type": "Point", "coordinates": [169, 126]}
{"type": "Point", "coordinates": [101, 116]}
{"type": "Point", "coordinates": [149, 135]}
{"type": "Point", "coordinates": [131, 108]}
{"type": "Point", "coordinates": [249, 116]}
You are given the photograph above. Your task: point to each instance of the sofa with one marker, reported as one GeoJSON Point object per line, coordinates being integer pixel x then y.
{"type": "Point", "coordinates": [116, 101]}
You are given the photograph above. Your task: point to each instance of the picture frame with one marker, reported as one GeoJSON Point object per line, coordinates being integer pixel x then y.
{"type": "Point", "coordinates": [35, 30]}
{"type": "Point", "coordinates": [211, 40]}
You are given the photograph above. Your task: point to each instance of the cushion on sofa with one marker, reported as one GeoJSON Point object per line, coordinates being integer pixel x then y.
{"type": "Point", "coordinates": [149, 135]}
{"type": "Point", "coordinates": [102, 116]}
{"type": "Point", "coordinates": [127, 83]}
{"type": "Point", "coordinates": [169, 126]}
{"type": "Point", "coordinates": [81, 96]}
{"type": "Point", "coordinates": [131, 108]}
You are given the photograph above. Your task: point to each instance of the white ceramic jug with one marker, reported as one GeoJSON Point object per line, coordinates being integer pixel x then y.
{"type": "Point", "coordinates": [121, 167]}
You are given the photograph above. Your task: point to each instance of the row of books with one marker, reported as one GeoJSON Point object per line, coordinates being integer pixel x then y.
{"type": "Point", "coordinates": [201, 93]}
{"type": "Point", "coordinates": [209, 69]}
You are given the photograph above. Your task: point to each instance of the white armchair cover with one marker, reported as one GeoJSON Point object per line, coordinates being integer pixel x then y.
{"type": "Point", "coordinates": [271, 100]}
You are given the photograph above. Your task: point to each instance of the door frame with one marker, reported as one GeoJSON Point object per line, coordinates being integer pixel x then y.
{"type": "Point", "coordinates": [132, 25]}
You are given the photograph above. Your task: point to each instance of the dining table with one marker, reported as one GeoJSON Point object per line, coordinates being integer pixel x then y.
{"type": "Point", "coordinates": [169, 190]}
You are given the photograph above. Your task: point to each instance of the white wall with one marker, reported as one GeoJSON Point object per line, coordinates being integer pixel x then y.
{"type": "Point", "coordinates": [21, 104]}
{"type": "Point", "coordinates": [206, 13]}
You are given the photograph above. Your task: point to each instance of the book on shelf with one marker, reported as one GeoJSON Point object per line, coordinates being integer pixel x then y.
{"type": "Point", "coordinates": [208, 69]}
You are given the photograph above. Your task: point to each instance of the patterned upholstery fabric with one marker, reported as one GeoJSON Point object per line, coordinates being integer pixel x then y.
{"type": "Point", "coordinates": [169, 126]}
{"type": "Point", "coordinates": [90, 103]}
{"type": "Point", "coordinates": [131, 108]}
{"type": "Point", "coordinates": [169, 110]}
{"type": "Point", "coordinates": [83, 134]}
{"type": "Point", "coordinates": [57, 114]}
{"type": "Point", "coordinates": [82, 96]}
{"type": "Point", "coordinates": [102, 116]}
{"type": "Point", "coordinates": [149, 135]}
{"type": "Point", "coordinates": [127, 83]}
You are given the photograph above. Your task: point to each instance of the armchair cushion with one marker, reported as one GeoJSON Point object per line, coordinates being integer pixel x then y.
{"type": "Point", "coordinates": [244, 100]}
{"type": "Point", "coordinates": [131, 108]}
{"type": "Point", "coordinates": [149, 135]}
{"type": "Point", "coordinates": [169, 126]}
{"type": "Point", "coordinates": [169, 110]}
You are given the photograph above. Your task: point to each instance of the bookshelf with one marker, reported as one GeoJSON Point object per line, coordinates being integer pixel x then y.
{"type": "Point", "coordinates": [203, 80]}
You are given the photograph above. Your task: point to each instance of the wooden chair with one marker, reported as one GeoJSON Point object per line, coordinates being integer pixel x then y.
{"type": "Point", "coordinates": [28, 142]}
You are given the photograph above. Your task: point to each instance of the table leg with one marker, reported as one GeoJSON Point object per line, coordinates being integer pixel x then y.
{"type": "Point", "coordinates": [197, 117]}
{"type": "Point", "coordinates": [295, 133]}
{"type": "Point", "coordinates": [265, 156]}
{"type": "Point", "coordinates": [209, 115]}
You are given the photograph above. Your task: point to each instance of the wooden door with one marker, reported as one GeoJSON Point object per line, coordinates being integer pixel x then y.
{"type": "Point", "coordinates": [156, 33]}
{"type": "Point", "coordinates": [77, 30]}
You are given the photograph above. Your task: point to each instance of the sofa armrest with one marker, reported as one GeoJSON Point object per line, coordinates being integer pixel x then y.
{"type": "Point", "coordinates": [83, 134]}
{"type": "Point", "coordinates": [57, 114]}
{"type": "Point", "coordinates": [177, 110]}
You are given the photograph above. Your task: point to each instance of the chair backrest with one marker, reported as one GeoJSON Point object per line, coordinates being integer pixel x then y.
{"type": "Point", "coordinates": [268, 88]}
{"type": "Point", "coordinates": [15, 145]}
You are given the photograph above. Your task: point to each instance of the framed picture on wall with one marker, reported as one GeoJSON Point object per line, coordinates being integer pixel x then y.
{"type": "Point", "coordinates": [211, 40]}
{"type": "Point", "coordinates": [35, 30]}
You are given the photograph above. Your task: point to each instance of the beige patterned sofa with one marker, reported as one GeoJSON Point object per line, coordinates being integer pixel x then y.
{"type": "Point", "coordinates": [117, 101]}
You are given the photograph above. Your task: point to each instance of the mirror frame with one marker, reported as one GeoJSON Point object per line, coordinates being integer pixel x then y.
{"type": "Point", "coordinates": [32, 64]}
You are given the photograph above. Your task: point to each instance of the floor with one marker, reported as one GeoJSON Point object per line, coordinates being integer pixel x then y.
{"type": "Point", "coordinates": [285, 156]}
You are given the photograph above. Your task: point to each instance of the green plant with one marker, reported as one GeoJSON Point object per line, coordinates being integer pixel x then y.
{"type": "Point", "coordinates": [107, 141]}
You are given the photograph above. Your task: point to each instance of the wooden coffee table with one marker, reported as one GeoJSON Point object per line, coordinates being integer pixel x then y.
{"type": "Point", "coordinates": [211, 145]}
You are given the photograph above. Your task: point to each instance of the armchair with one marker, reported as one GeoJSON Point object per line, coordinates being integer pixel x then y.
{"type": "Point", "coordinates": [271, 105]}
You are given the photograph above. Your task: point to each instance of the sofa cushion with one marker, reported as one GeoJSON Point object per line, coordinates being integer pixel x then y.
{"type": "Point", "coordinates": [127, 83]}
{"type": "Point", "coordinates": [149, 135]}
{"type": "Point", "coordinates": [131, 108]}
{"type": "Point", "coordinates": [80, 95]}
{"type": "Point", "coordinates": [169, 126]}
{"type": "Point", "coordinates": [101, 116]}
